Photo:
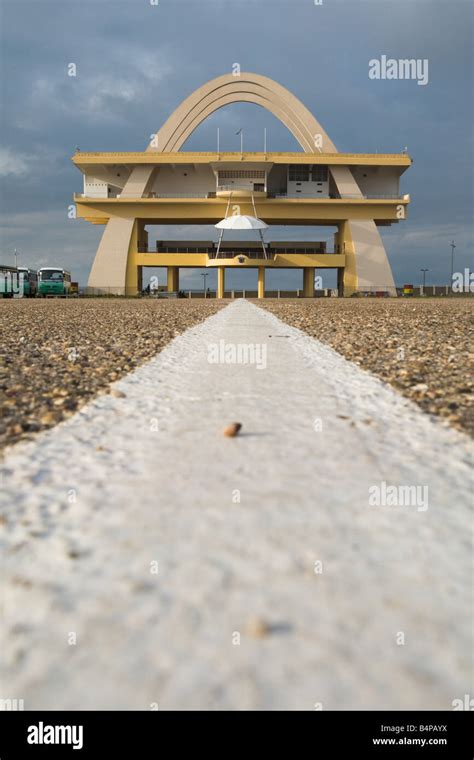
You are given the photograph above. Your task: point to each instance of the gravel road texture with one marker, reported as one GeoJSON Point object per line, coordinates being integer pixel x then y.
{"type": "Point", "coordinates": [423, 347]}
{"type": "Point", "coordinates": [55, 355]}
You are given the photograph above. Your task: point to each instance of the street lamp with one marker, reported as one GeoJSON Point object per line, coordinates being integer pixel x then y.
{"type": "Point", "coordinates": [204, 275]}
{"type": "Point", "coordinates": [424, 278]}
{"type": "Point", "coordinates": [452, 261]}
{"type": "Point", "coordinates": [15, 253]}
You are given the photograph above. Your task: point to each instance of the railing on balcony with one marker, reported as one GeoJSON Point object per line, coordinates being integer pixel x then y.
{"type": "Point", "coordinates": [376, 196]}
{"type": "Point", "coordinates": [145, 195]}
{"type": "Point", "coordinates": [270, 195]}
{"type": "Point", "coordinates": [180, 249]}
{"type": "Point", "coordinates": [237, 187]}
{"type": "Point", "coordinates": [299, 250]}
{"type": "Point", "coordinates": [226, 253]}
{"type": "Point", "coordinates": [349, 196]}
{"type": "Point", "coordinates": [176, 195]}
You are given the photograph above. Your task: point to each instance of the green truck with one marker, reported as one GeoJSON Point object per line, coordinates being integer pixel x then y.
{"type": "Point", "coordinates": [53, 281]}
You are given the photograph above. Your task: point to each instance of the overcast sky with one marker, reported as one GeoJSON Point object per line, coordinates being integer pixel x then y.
{"type": "Point", "coordinates": [136, 61]}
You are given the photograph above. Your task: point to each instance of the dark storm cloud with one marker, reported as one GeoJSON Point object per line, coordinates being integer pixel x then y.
{"type": "Point", "coordinates": [136, 61]}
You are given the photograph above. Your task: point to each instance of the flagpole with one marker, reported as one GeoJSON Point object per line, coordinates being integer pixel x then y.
{"type": "Point", "coordinates": [218, 140]}
{"type": "Point", "coordinates": [241, 133]}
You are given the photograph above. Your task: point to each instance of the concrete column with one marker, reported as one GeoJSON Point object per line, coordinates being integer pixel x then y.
{"type": "Point", "coordinates": [173, 279]}
{"type": "Point", "coordinates": [340, 281]}
{"type": "Point", "coordinates": [346, 246]}
{"type": "Point", "coordinates": [340, 235]}
{"type": "Point", "coordinates": [220, 282]}
{"type": "Point", "coordinates": [142, 236]}
{"type": "Point", "coordinates": [261, 282]}
{"type": "Point", "coordinates": [131, 274]}
{"type": "Point", "coordinates": [308, 282]}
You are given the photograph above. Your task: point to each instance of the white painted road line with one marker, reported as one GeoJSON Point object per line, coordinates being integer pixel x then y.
{"type": "Point", "coordinates": [368, 606]}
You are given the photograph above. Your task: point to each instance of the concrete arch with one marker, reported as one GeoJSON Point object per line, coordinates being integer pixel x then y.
{"type": "Point", "coordinates": [249, 88]}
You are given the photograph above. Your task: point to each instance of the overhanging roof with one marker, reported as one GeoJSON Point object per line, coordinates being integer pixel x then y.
{"type": "Point", "coordinates": [183, 157]}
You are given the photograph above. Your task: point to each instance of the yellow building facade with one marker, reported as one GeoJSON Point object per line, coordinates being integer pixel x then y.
{"type": "Point", "coordinates": [355, 194]}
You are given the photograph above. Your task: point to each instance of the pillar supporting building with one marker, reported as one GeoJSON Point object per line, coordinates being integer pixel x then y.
{"type": "Point", "coordinates": [220, 282]}
{"type": "Point", "coordinates": [173, 279]}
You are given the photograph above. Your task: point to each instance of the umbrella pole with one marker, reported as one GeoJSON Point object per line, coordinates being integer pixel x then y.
{"type": "Point", "coordinates": [263, 244]}
{"type": "Point", "coordinates": [222, 231]}
{"type": "Point", "coordinates": [221, 235]}
{"type": "Point", "coordinates": [254, 207]}
{"type": "Point", "coordinates": [260, 231]}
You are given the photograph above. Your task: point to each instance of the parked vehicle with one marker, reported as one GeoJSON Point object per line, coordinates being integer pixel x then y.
{"type": "Point", "coordinates": [9, 281]}
{"type": "Point", "coordinates": [53, 281]}
{"type": "Point", "coordinates": [30, 281]}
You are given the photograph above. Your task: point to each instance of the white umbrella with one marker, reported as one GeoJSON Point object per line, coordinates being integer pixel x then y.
{"type": "Point", "coordinates": [238, 222]}
{"type": "Point", "coordinates": [241, 222]}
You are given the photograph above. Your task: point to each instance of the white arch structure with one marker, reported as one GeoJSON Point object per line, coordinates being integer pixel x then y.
{"type": "Point", "coordinates": [362, 239]}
